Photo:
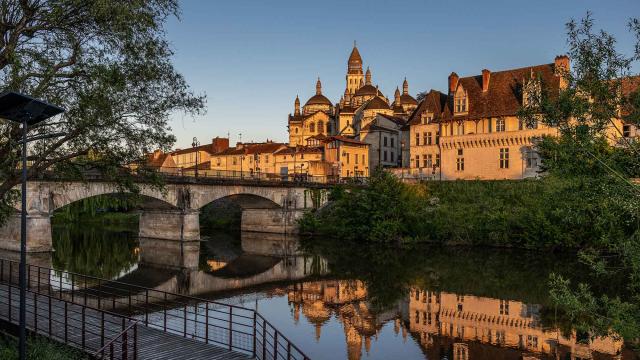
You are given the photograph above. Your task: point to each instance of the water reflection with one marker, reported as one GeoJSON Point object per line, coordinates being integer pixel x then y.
{"type": "Point", "coordinates": [330, 300]}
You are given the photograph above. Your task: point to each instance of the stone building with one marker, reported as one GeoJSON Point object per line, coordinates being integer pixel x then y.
{"type": "Point", "coordinates": [315, 118]}
{"type": "Point", "coordinates": [187, 158]}
{"type": "Point", "coordinates": [474, 132]}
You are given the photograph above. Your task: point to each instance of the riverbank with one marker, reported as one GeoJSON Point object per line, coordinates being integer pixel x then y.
{"type": "Point", "coordinates": [38, 348]}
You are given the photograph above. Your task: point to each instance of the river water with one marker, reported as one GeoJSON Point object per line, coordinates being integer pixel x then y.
{"type": "Point", "coordinates": [340, 301]}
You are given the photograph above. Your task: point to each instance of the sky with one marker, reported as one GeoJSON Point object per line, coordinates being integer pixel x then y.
{"type": "Point", "coordinates": [252, 57]}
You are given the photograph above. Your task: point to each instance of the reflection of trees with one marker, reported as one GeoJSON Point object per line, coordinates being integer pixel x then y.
{"type": "Point", "coordinates": [94, 250]}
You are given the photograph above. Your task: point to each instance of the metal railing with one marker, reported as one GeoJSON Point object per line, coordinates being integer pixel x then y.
{"type": "Point", "coordinates": [70, 323]}
{"type": "Point", "coordinates": [123, 346]}
{"type": "Point", "coordinates": [233, 327]}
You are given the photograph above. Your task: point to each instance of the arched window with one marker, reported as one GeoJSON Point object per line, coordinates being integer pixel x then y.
{"type": "Point", "coordinates": [312, 127]}
{"type": "Point", "coordinates": [320, 127]}
{"type": "Point", "coordinates": [296, 130]}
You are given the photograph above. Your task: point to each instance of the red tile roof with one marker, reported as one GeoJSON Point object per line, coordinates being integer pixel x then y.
{"type": "Point", "coordinates": [434, 102]}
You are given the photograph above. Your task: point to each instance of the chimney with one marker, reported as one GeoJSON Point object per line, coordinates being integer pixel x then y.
{"type": "Point", "coordinates": [561, 68]}
{"type": "Point", "coordinates": [486, 77]}
{"type": "Point", "coordinates": [218, 144]}
{"type": "Point", "coordinates": [453, 82]}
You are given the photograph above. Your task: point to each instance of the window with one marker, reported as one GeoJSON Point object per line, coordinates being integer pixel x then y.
{"type": "Point", "coordinates": [356, 158]}
{"type": "Point", "coordinates": [429, 161]}
{"type": "Point", "coordinates": [504, 158]}
{"type": "Point", "coordinates": [626, 130]}
{"type": "Point", "coordinates": [417, 139]}
{"type": "Point", "coordinates": [417, 161]}
{"type": "Point", "coordinates": [384, 141]}
{"type": "Point", "coordinates": [320, 127]}
{"type": "Point", "coordinates": [296, 130]}
{"type": "Point", "coordinates": [392, 157]}
{"type": "Point", "coordinates": [425, 138]}
{"type": "Point", "coordinates": [460, 129]}
{"type": "Point", "coordinates": [266, 158]}
{"type": "Point", "coordinates": [425, 163]}
{"type": "Point", "coordinates": [312, 127]}
{"type": "Point", "coordinates": [500, 125]}
{"type": "Point", "coordinates": [460, 152]}
{"type": "Point", "coordinates": [384, 157]}
{"type": "Point", "coordinates": [438, 160]}
{"type": "Point", "coordinates": [460, 100]}
{"type": "Point", "coordinates": [531, 157]}
{"type": "Point", "coordinates": [460, 164]}
{"type": "Point", "coordinates": [428, 141]}
{"type": "Point", "coordinates": [504, 307]}
{"type": "Point", "coordinates": [437, 137]}
{"type": "Point", "coordinates": [393, 142]}
{"type": "Point", "coordinates": [347, 158]}
{"type": "Point", "coordinates": [490, 126]}
{"type": "Point", "coordinates": [362, 158]}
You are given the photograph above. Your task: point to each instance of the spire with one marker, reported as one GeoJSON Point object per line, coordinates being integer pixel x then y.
{"type": "Point", "coordinates": [405, 87]}
{"type": "Point", "coordinates": [354, 64]}
{"type": "Point", "coordinates": [368, 77]}
{"type": "Point", "coordinates": [318, 87]}
{"type": "Point", "coordinates": [297, 106]}
{"type": "Point", "coordinates": [397, 96]}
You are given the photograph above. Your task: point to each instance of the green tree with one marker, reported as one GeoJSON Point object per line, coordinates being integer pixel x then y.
{"type": "Point", "coordinates": [600, 88]}
{"type": "Point", "coordinates": [109, 65]}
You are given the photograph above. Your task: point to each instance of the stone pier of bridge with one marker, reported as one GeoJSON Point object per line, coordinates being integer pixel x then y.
{"type": "Point", "coordinates": [171, 213]}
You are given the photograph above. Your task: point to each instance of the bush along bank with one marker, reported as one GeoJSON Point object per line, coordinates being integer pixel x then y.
{"type": "Point", "coordinates": [547, 213]}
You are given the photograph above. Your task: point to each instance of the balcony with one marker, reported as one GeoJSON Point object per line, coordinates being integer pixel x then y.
{"type": "Point", "coordinates": [504, 138]}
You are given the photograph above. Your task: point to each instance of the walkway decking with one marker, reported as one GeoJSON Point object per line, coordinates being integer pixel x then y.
{"type": "Point", "coordinates": [90, 329]}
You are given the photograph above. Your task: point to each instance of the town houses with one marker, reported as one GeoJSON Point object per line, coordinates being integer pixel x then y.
{"type": "Point", "coordinates": [469, 131]}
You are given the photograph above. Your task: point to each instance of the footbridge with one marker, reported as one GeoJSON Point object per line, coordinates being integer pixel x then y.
{"type": "Point", "coordinates": [170, 212]}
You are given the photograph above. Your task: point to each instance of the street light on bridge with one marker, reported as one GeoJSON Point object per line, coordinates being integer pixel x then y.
{"type": "Point", "coordinates": [27, 111]}
{"type": "Point", "coordinates": [195, 145]}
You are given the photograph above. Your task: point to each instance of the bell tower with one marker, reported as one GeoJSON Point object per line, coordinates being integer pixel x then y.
{"type": "Point", "coordinates": [354, 70]}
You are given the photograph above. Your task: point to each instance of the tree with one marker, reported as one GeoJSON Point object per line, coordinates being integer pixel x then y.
{"type": "Point", "coordinates": [109, 65]}
{"type": "Point", "coordinates": [591, 149]}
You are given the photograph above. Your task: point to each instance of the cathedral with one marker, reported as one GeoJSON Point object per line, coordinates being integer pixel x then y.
{"type": "Point", "coordinates": [361, 102]}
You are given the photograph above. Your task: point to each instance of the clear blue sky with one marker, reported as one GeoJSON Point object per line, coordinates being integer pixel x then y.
{"type": "Point", "coordinates": [251, 58]}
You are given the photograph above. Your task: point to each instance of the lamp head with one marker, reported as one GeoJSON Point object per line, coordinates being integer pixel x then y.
{"type": "Point", "coordinates": [20, 108]}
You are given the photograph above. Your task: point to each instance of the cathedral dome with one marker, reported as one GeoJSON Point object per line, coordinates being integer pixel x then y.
{"type": "Point", "coordinates": [377, 103]}
{"type": "Point", "coordinates": [355, 60]}
{"type": "Point", "coordinates": [367, 90]}
{"type": "Point", "coordinates": [318, 99]}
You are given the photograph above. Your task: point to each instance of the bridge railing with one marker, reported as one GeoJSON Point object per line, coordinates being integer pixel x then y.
{"type": "Point", "coordinates": [76, 325]}
{"type": "Point", "coordinates": [233, 327]}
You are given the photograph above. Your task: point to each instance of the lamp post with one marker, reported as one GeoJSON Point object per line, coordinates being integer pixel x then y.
{"type": "Point", "coordinates": [194, 145]}
{"type": "Point", "coordinates": [27, 111]}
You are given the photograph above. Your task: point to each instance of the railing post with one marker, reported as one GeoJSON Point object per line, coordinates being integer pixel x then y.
{"type": "Point", "coordinates": [184, 330]}
{"type": "Point", "coordinates": [65, 323]}
{"type": "Point", "coordinates": [83, 326]}
{"type": "Point", "coordinates": [73, 291]}
{"type": "Point", "coordinates": [264, 338]}
{"type": "Point", "coordinates": [124, 346]}
{"type": "Point", "coordinates": [275, 343]}
{"type": "Point", "coordinates": [206, 322]}
{"type": "Point", "coordinates": [50, 316]}
{"type": "Point", "coordinates": [230, 327]}
{"type": "Point", "coordinates": [35, 312]}
{"type": "Point", "coordinates": [254, 333]}
{"type": "Point", "coordinates": [101, 329]}
{"type": "Point", "coordinates": [146, 308]}
{"type": "Point", "coordinates": [135, 341]}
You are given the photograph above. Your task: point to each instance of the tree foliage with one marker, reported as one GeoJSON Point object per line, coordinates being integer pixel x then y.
{"type": "Point", "coordinates": [108, 64]}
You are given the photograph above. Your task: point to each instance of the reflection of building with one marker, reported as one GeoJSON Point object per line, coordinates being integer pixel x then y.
{"type": "Point", "coordinates": [472, 320]}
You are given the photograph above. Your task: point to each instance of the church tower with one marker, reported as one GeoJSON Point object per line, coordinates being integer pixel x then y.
{"type": "Point", "coordinates": [354, 70]}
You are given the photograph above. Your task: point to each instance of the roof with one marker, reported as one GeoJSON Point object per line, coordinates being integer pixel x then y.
{"type": "Point", "coordinates": [300, 150]}
{"type": "Point", "coordinates": [318, 99]}
{"type": "Point", "coordinates": [434, 102]}
{"type": "Point", "coordinates": [375, 127]}
{"type": "Point", "coordinates": [398, 120]}
{"type": "Point", "coordinates": [408, 99]}
{"type": "Point", "coordinates": [265, 148]}
{"type": "Point", "coordinates": [628, 86]}
{"type": "Point", "coordinates": [346, 139]}
{"type": "Point", "coordinates": [367, 90]}
{"type": "Point", "coordinates": [376, 103]}
{"type": "Point", "coordinates": [230, 151]}
{"type": "Point", "coordinates": [201, 166]}
{"type": "Point", "coordinates": [156, 160]}
{"type": "Point", "coordinates": [206, 148]}
{"type": "Point", "coordinates": [355, 57]}
{"type": "Point", "coordinates": [504, 95]}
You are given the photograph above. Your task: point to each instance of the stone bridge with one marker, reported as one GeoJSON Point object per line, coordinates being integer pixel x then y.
{"type": "Point", "coordinates": [170, 213]}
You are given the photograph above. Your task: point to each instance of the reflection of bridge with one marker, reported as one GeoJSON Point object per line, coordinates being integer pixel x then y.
{"type": "Point", "coordinates": [170, 213]}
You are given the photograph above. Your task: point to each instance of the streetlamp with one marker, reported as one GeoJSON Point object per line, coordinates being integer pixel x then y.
{"type": "Point", "coordinates": [27, 111]}
{"type": "Point", "coordinates": [194, 145]}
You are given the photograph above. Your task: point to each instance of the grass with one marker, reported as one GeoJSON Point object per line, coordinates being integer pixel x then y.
{"type": "Point", "coordinates": [38, 348]}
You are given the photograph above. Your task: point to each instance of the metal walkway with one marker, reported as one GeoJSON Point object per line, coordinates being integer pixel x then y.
{"type": "Point", "coordinates": [115, 320]}
{"type": "Point", "coordinates": [91, 330]}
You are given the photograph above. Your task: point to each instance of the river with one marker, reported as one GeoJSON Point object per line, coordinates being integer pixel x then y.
{"type": "Point", "coordinates": [340, 301]}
